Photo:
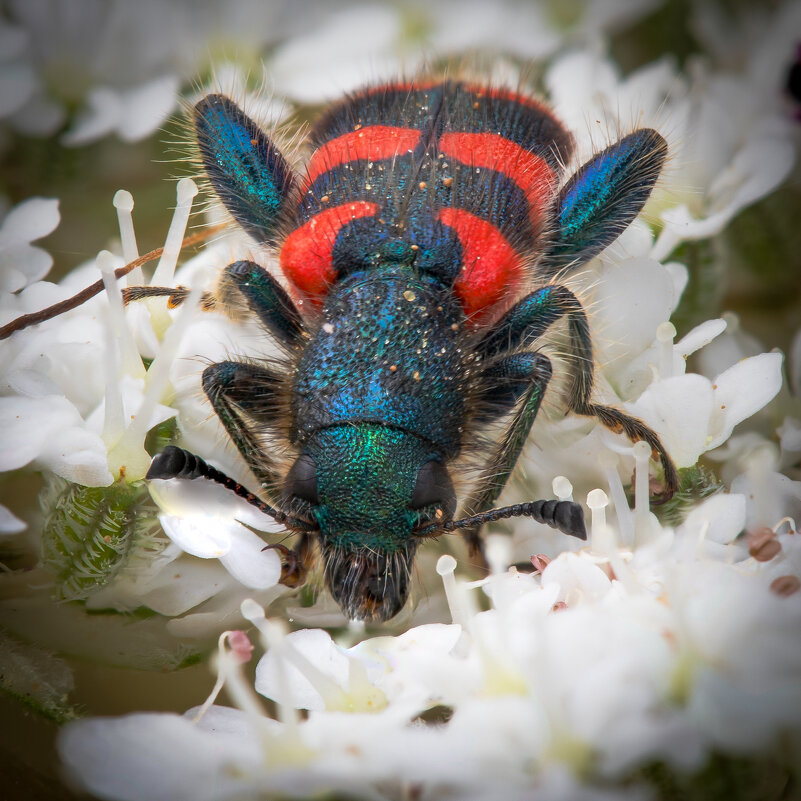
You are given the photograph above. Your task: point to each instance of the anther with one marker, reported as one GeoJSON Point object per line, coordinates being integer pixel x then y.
{"type": "Point", "coordinates": [562, 488]}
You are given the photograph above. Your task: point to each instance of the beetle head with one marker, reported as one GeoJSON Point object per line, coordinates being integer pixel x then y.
{"type": "Point", "coordinates": [370, 489]}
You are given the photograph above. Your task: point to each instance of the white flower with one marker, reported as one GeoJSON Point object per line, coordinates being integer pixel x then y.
{"type": "Point", "coordinates": [20, 262]}
{"type": "Point", "coordinates": [725, 152]}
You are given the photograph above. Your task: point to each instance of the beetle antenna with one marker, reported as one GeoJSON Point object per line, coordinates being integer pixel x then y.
{"type": "Point", "coordinates": [174, 462]}
{"type": "Point", "coordinates": [567, 516]}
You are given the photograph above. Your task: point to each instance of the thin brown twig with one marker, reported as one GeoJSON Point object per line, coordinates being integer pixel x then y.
{"type": "Point", "coordinates": [27, 320]}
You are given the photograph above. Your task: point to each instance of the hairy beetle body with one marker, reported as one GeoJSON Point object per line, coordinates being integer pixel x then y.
{"type": "Point", "coordinates": [421, 245]}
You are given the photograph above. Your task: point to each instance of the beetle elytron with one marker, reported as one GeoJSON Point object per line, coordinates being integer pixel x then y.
{"type": "Point", "coordinates": [424, 241]}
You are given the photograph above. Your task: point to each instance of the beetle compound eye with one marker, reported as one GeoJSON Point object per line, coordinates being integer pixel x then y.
{"type": "Point", "coordinates": [434, 488]}
{"type": "Point", "coordinates": [301, 481]}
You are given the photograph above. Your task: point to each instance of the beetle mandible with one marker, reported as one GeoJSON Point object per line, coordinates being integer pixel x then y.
{"type": "Point", "coordinates": [425, 240]}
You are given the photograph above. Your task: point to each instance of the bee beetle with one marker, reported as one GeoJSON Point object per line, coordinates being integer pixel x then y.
{"type": "Point", "coordinates": [424, 240]}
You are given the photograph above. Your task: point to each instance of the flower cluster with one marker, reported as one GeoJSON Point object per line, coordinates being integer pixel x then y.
{"type": "Point", "coordinates": [608, 661]}
{"type": "Point", "coordinates": [667, 639]}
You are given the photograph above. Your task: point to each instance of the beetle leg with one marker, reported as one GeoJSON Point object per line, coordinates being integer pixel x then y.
{"type": "Point", "coordinates": [245, 398]}
{"type": "Point", "coordinates": [246, 282]}
{"type": "Point", "coordinates": [526, 374]}
{"type": "Point", "coordinates": [244, 288]}
{"type": "Point", "coordinates": [248, 173]}
{"type": "Point", "coordinates": [295, 562]}
{"type": "Point", "coordinates": [527, 320]}
{"type": "Point", "coordinates": [602, 198]}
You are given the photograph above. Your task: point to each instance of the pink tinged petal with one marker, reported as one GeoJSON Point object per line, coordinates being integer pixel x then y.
{"type": "Point", "coordinates": [678, 409]}
{"type": "Point", "coordinates": [741, 391]}
{"type": "Point", "coordinates": [146, 107]}
{"type": "Point", "coordinates": [10, 523]}
{"type": "Point", "coordinates": [159, 757]}
{"type": "Point", "coordinates": [722, 516]}
{"type": "Point", "coordinates": [248, 561]}
{"type": "Point", "coordinates": [198, 535]}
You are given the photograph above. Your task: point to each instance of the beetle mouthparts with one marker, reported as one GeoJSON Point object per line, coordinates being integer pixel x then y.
{"type": "Point", "coordinates": [369, 585]}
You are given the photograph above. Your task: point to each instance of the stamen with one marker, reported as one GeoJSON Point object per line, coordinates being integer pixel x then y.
{"type": "Point", "coordinates": [129, 354]}
{"type": "Point", "coordinates": [608, 547]}
{"type": "Point", "coordinates": [124, 203]}
{"type": "Point", "coordinates": [562, 488]}
{"type": "Point", "coordinates": [130, 452]}
{"type": "Point", "coordinates": [597, 500]}
{"type": "Point", "coordinates": [790, 523]}
{"type": "Point", "coordinates": [238, 648]}
{"type": "Point", "coordinates": [642, 453]}
{"type": "Point", "coordinates": [272, 635]}
{"type": "Point", "coordinates": [113, 417]}
{"type": "Point", "coordinates": [665, 333]}
{"type": "Point", "coordinates": [165, 271]}
{"type": "Point", "coordinates": [446, 565]}
{"type": "Point", "coordinates": [498, 553]}
{"type": "Point", "coordinates": [625, 521]}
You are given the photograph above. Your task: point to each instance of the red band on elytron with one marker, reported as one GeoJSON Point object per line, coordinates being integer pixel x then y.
{"type": "Point", "coordinates": [492, 267]}
{"type": "Point", "coordinates": [306, 257]}
{"type": "Point", "coordinates": [373, 143]}
{"type": "Point", "coordinates": [492, 151]}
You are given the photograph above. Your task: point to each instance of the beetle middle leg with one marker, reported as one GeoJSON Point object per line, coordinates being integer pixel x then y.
{"type": "Point", "coordinates": [521, 378]}
{"type": "Point", "coordinates": [527, 320]}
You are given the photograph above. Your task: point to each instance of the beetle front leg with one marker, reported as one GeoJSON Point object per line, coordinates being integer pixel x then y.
{"type": "Point", "coordinates": [244, 394]}
{"type": "Point", "coordinates": [295, 562]}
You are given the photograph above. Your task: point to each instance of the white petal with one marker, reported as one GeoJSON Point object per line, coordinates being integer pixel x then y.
{"type": "Point", "coordinates": [318, 647]}
{"type": "Point", "coordinates": [18, 82]}
{"type": "Point", "coordinates": [159, 757]}
{"type": "Point", "coordinates": [644, 289]}
{"type": "Point", "coordinates": [334, 57]}
{"type": "Point", "coordinates": [248, 561]}
{"type": "Point", "coordinates": [679, 410]}
{"type": "Point", "coordinates": [743, 390]}
{"type": "Point", "coordinates": [146, 107]}
{"type": "Point", "coordinates": [199, 535]}
{"type": "Point", "coordinates": [27, 425]}
{"type": "Point", "coordinates": [30, 220]}
{"type": "Point", "coordinates": [576, 577]}
{"type": "Point", "coordinates": [699, 336]}
{"type": "Point", "coordinates": [9, 522]}
{"type": "Point", "coordinates": [102, 116]}
{"type": "Point", "coordinates": [724, 514]}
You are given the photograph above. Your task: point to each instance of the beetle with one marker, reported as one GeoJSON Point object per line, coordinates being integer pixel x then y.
{"type": "Point", "coordinates": [424, 243]}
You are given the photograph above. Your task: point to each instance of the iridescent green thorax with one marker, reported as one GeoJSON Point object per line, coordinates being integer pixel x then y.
{"type": "Point", "coordinates": [366, 476]}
